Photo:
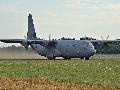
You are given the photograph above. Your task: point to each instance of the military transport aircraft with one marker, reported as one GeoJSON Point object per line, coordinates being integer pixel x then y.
{"type": "Point", "coordinates": [57, 48]}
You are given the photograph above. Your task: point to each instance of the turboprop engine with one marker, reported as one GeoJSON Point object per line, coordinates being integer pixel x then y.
{"type": "Point", "coordinates": [25, 44]}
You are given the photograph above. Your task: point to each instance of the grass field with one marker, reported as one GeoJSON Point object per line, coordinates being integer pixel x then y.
{"type": "Point", "coordinates": [97, 73]}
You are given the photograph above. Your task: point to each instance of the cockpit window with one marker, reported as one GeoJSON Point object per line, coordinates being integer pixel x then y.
{"type": "Point", "coordinates": [89, 44]}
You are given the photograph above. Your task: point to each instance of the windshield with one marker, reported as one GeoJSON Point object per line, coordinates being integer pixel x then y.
{"type": "Point", "coordinates": [89, 44]}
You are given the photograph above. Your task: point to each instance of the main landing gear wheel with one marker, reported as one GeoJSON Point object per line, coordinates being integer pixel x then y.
{"type": "Point", "coordinates": [51, 58]}
{"type": "Point", "coordinates": [86, 58]}
{"type": "Point", "coordinates": [82, 58]}
{"type": "Point", "coordinates": [67, 58]}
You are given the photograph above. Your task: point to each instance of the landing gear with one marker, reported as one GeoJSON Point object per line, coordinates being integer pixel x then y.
{"type": "Point", "coordinates": [67, 58]}
{"type": "Point", "coordinates": [86, 58]}
{"type": "Point", "coordinates": [51, 58]}
{"type": "Point", "coordinates": [82, 58]}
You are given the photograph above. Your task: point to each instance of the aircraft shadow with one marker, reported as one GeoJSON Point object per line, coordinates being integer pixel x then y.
{"type": "Point", "coordinates": [39, 59]}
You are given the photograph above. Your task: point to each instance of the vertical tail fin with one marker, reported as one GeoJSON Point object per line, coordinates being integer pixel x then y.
{"type": "Point", "coordinates": [31, 34]}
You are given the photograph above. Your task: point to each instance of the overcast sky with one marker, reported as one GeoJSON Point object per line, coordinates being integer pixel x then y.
{"type": "Point", "coordinates": [68, 18]}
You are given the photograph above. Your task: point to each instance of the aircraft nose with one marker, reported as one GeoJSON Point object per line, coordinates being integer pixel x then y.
{"type": "Point", "coordinates": [93, 51]}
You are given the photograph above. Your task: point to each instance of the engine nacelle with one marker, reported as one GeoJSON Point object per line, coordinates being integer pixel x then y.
{"type": "Point", "coordinates": [52, 43]}
{"type": "Point", "coordinates": [25, 44]}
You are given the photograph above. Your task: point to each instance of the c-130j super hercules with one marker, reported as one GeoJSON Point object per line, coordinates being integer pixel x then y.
{"type": "Point", "coordinates": [57, 48]}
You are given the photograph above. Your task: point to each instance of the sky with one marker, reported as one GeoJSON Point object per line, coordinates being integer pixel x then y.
{"type": "Point", "coordinates": [61, 18]}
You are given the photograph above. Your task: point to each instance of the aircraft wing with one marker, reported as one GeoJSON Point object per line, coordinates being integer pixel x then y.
{"type": "Point", "coordinates": [11, 40]}
{"type": "Point", "coordinates": [22, 40]}
{"type": "Point", "coordinates": [104, 41]}
{"type": "Point", "coordinates": [29, 42]}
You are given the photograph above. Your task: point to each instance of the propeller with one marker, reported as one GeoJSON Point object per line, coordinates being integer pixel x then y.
{"type": "Point", "coordinates": [51, 43]}
{"type": "Point", "coordinates": [25, 37]}
{"type": "Point", "coordinates": [102, 37]}
{"type": "Point", "coordinates": [49, 37]}
{"type": "Point", "coordinates": [105, 43]}
{"type": "Point", "coordinates": [25, 43]}
{"type": "Point", "coordinates": [106, 37]}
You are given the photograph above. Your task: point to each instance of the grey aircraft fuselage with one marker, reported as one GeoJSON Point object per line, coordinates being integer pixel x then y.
{"type": "Point", "coordinates": [58, 48]}
{"type": "Point", "coordinates": [54, 48]}
{"type": "Point", "coordinates": [67, 49]}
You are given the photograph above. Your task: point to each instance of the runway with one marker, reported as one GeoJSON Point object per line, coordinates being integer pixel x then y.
{"type": "Point", "coordinates": [16, 55]}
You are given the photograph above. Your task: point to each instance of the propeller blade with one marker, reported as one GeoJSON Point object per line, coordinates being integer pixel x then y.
{"type": "Point", "coordinates": [102, 38]}
{"type": "Point", "coordinates": [25, 43]}
{"type": "Point", "coordinates": [25, 37]}
{"type": "Point", "coordinates": [107, 37]}
{"type": "Point", "coordinates": [26, 48]}
{"type": "Point", "coordinates": [49, 37]}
